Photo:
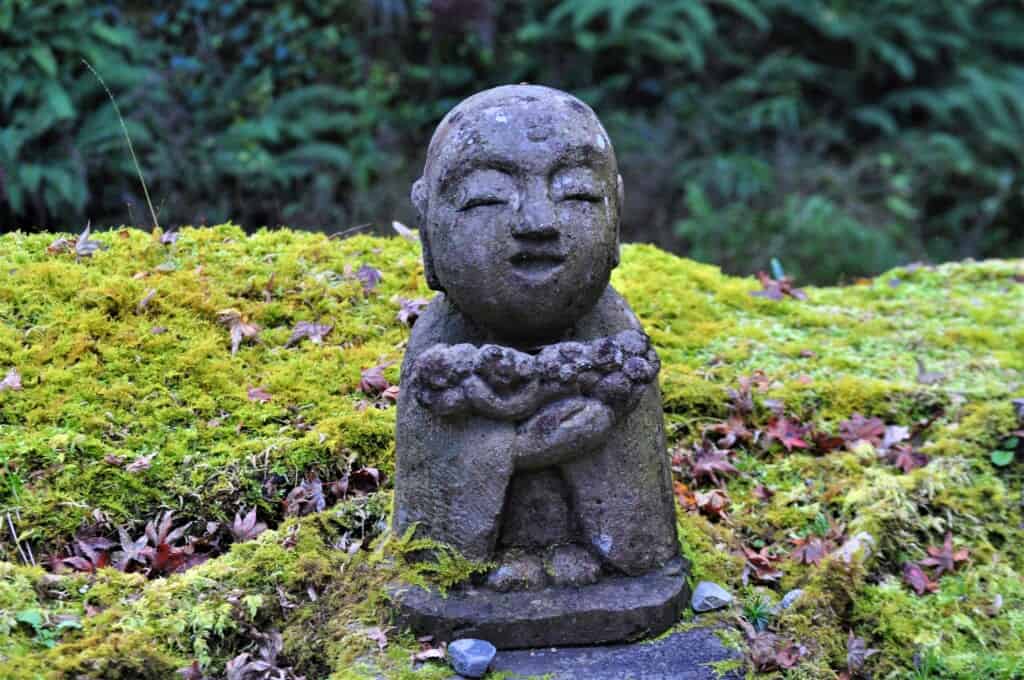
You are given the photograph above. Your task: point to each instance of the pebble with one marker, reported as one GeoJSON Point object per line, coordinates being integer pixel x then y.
{"type": "Point", "coordinates": [470, 657]}
{"type": "Point", "coordinates": [708, 596]}
{"type": "Point", "coordinates": [787, 600]}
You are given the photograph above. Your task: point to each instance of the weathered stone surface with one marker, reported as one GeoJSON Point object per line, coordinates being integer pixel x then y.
{"type": "Point", "coordinates": [613, 609]}
{"type": "Point", "coordinates": [530, 421]}
{"type": "Point", "coordinates": [517, 571]}
{"type": "Point", "coordinates": [687, 655]}
{"type": "Point", "coordinates": [471, 657]}
{"type": "Point", "coordinates": [571, 565]}
{"type": "Point", "coordinates": [708, 596]}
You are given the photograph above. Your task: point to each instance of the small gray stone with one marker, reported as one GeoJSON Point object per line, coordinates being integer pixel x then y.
{"type": "Point", "coordinates": [787, 600]}
{"type": "Point", "coordinates": [471, 657]}
{"type": "Point", "coordinates": [708, 596]}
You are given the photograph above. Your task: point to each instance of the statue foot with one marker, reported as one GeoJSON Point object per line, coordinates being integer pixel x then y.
{"type": "Point", "coordinates": [573, 565]}
{"type": "Point", "coordinates": [517, 570]}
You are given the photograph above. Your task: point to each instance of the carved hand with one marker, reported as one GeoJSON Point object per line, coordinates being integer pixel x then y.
{"type": "Point", "coordinates": [560, 431]}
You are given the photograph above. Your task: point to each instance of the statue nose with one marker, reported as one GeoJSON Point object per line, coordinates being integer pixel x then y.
{"type": "Point", "coordinates": [536, 220]}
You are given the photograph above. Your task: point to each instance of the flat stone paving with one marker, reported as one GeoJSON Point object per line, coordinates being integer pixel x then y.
{"type": "Point", "coordinates": [680, 656]}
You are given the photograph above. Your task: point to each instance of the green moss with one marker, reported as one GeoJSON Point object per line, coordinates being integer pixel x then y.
{"type": "Point", "coordinates": [99, 383]}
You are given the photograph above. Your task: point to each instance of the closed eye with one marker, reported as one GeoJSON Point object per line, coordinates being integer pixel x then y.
{"type": "Point", "coordinates": [582, 196]}
{"type": "Point", "coordinates": [482, 201]}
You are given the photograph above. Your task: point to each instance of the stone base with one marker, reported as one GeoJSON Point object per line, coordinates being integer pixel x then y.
{"type": "Point", "coordinates": [616, 609]}
{"type": "Point", "coordinates": [688, 655]}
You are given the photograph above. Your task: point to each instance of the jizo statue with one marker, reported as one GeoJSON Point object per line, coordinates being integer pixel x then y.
{"type": "Point", "coordinates": [530, 431]}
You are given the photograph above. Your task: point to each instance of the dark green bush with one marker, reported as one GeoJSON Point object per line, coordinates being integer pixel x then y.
{"type": "Point", "coordinates": [840, 137]}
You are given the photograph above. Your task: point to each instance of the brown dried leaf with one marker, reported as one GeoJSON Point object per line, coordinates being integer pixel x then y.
{"type": "Point", "coordinates": [258, 394]}
{"type": "Point", "coordinates": [141, 463]}
{"type": "Point", "coordinates": [238, 326]}
{"type": "Point", "coordinates": [943, 557]}
{"type": "Point", "coordinates": [858, 428]}
{"type": "Point", "coordinates": [316, 332]}
{"type": "Point", "coordinates": [917, 579]}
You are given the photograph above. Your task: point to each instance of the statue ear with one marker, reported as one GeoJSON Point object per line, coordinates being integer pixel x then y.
{"type": "Point", "coordinates": [419, 201]}
{"type": "Point", "coordinates": [618, 219]}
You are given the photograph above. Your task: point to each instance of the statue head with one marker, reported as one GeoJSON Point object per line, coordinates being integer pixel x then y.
{"type": "Point", "coordinates": [519, 208]}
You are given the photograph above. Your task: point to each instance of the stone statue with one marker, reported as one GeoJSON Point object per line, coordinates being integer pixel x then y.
{"type": "Point", "coordinates": [530, 432]}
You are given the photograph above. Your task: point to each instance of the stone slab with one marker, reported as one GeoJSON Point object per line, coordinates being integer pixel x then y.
{"type": "Point", "coordinates": [680, 656]}
{"type": "Point", "coordinates": [612, 610]}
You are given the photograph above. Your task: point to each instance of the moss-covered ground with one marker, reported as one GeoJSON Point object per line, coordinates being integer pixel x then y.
{"type": "Point", "coordinates": [125, 357]}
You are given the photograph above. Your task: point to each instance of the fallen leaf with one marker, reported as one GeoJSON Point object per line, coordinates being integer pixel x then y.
{"type": "Point", "coordinates": [809, 550]}
{"type": "Point", "coordinates": [258, 394]}
{"type": "Point", "coordinates": [732, 430]}
{"type": "Point", "coordinates": [372, 382]}
{"type": "Point", "coordinates": [686, 498]}
{"type": "Point", "coordinates": [789, 655]}
{"type": "Point", "coordinates": [713, 503]}
{"type": "Point", "coordinates": [858, 428]}
{"type": "Point", "coordinates": [305, 498]}
{"type": "Point", "coordinates": [762, 493]}
{"type": "Point", "coordinates": [825, 442]}
{"type": "Point", "coordinates": [247, 528]}
{"type": "Point", "coordinates": [943, 557]}
{"type": "Point", "coordinates": [906, 458]}
{"type": "Point", "coordinates": [409, 310]}
{"type": "Point", "coordinates": [316, 332]}
{"type": "Point", "coordinates": [917, 579]}
{"type": "Point", "coordinates": [191, 672]}
{"type": "Point", "coordinates": [141, 463]}
{"type": "Point", "coordinates": [760, 564]}
{"type": "Point", "coordinates": [378, 635]}
{"type": "Point", "coordinates": [11, 381]}
{"type": "Point", "coordinates": [857, 652]}
{"type": "Point", "coordinates": [787, 432]}
{"type": "Point", "coordinates": [169, 237]}
{"type": "Point", "coordinates": [146, 299]}
{"type": "Point", "coordinates": [709, 462]}
{"type": "Point", "coordinates": [777, 289]}
{"type": "Point", "coordinates": [369, 277]}
{"type": "Point", "coordinates": [84, 246]}
{"type": "Point", "coordinates": [238, 326]}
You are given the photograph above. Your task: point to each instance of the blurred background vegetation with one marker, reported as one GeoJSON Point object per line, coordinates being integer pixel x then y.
{"type": "Point", "coordinates": [842, 137]}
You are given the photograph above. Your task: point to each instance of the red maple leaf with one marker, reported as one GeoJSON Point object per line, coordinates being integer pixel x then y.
{"type": "Point", "coordinates": [709, 462]}
{"type": "Point", "coordinates": [787, 432]}
{"type": "Point", "coordinates": [944, 558]}
{"type": "Point", "coordinates": [859, 428]}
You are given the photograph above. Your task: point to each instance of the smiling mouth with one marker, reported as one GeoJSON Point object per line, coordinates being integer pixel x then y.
{"type": "Point", "coordinates": [536, 264]}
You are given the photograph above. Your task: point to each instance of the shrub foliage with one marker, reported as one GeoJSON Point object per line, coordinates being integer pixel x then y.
{"type": "Point", "coordinates": [842, 138]}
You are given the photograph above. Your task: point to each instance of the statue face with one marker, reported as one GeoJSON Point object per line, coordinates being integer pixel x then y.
{"type": "Point", "coordinates": [520, 202]}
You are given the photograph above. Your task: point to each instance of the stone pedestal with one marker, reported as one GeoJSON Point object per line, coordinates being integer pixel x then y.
{"type": "Point", "coordinates": [613, 609]}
